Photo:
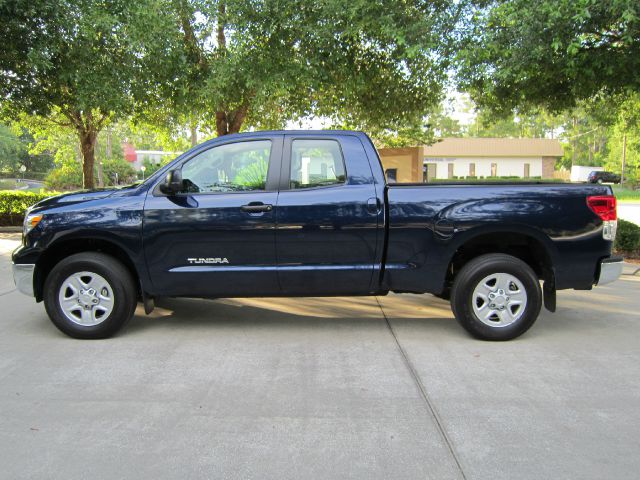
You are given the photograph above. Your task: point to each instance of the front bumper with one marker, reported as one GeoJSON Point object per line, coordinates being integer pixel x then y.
{"type": "Point", "coordinates": [610, 270]}
{"type": "Point", "coordinates": [23, 277]}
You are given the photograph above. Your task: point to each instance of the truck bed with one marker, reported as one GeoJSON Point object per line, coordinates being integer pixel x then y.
{"type": "Point", "coordinates": [428, 223]}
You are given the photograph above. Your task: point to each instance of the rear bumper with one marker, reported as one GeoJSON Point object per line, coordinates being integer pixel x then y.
{"type": "Point", "coordinates": [610, 270]}
{"type": "Point", "coordinates": [23, 277]}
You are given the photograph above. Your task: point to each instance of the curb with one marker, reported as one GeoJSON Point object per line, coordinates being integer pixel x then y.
{"type": "Point", "coordinates": [10, 229]}
{"type": "Point", "coordinates": [631, 269]}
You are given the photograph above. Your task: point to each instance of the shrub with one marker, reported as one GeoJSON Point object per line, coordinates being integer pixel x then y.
{"type": "Point", "coordinates": [153, 167]}
{"type": "Point", "coordinates": [117, 171]}
{"type": "Point", "coordinates": [13, 204]}
{"type": "Point", "coordinates": [68, 175]}
{"type": "Point", "coordinates": [628, 237]}
{"type": "Point", "coordinates": [65, 177]}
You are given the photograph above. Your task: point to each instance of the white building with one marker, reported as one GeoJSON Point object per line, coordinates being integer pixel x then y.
{"type": "Point", "coordinates": [473, 157]}
{"type": "Point", "coordinates": [154, 156]}
{"type": "Point", "coordinates": [137, 157]}
{"type": "Point", "coordinates": [579, 173]}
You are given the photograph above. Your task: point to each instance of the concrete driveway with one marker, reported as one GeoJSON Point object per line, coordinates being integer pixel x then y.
{"type": "Point", "coordinates": [358, 388]}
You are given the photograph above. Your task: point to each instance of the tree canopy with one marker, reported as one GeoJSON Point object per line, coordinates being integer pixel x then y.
{"type": "Point", "coordinates": [77, 63]}
{"type": "Point", "coordinates": [223, 65]}
{"type": "Point", "coordinates": [369, 63]}
{"type": "Point", "coordinates": [524, 54]}
{"type": "Point", "coordinates": [155, 70]}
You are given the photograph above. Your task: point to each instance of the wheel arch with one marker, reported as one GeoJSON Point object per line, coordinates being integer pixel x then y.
{"type": "Point", "coordinates": [527, 244]}
{"type": "Point", "coordinates": [63, 248]}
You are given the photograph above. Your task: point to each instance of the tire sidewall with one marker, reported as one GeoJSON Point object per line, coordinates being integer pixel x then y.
{"type": "Point", "coordinates": [120, 282]}
{"type": "Point", "coordinates": [467, 281]}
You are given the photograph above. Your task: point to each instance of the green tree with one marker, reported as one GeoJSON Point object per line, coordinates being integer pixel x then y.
{"type": "Point", "coordinates": [10, 150]}
{"type": "Point", "coordinates": [522, 54]}
{"type": "Point", "coordinates": [15, 151]}
{"type": "Point", "coordinates": [236, 64]}
{"type": "Point", "coordinates": [623, 154]}
{"type": "Point", "coordinates": [79, 63]}
{"type": "Point", "coordinates": [535, 124]}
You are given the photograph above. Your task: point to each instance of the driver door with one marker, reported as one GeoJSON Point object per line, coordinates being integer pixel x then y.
{"type": "Point", "coordinates": [217, 237]}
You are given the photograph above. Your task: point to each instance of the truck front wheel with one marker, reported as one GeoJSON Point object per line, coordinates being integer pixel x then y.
{"type": "Point", "coordinates": [90, 295]}
{"type": "Point", "coordinates": [496, 297]}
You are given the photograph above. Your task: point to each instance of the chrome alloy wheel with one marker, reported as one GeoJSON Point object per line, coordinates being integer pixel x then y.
{"type": "Point", "coordinates": [499, 300]}
{"type": "Point", "coordinates": [86, 298]}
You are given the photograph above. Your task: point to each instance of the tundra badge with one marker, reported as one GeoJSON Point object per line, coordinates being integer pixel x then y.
{"type": "Point", "coordinates": [208, 260]}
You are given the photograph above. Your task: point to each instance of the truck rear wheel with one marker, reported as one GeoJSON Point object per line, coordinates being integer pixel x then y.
{"type": "Point", "coordinates": [496, 297]}
{"type": "Point", "coordinates": [90, 295]}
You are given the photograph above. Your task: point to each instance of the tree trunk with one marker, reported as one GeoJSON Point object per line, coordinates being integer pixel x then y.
{"type": "Point", "coordinates": [575, 142]}
{"type": "Point", "coordinates": [231, 122]}
{"type": "Point", "coordinates": [222, 127]}
{"type": "Point", "coordinates": [222, 40]}
{"type": "Point", "coordinates": [194, 135]}
{"type": "Point", "coordinates": [100, 174]}
{"type": "Point", "coordinates": [624, 157]}
{"type": "Point", "coordinates": [109, 152]}
{"type": "Point", "coordinates": [88, 147]}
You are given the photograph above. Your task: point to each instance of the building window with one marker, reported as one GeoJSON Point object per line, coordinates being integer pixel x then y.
{"type": "Point", "coordinates": [392, 175]}
{"type": "Point", "coordinates": [450, 172]}
{"type": "Point", "coordinates": [494, 169]}
{"type": "Point", "coordinates": [527, 170]}
{"type": "Point", "coordinates": [472, 169]}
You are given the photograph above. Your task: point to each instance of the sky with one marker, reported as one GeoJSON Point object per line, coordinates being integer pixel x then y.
{"type": "Point", "coordinates": [458, 106]}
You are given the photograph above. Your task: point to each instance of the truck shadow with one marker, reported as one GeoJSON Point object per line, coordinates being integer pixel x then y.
{"type": "Point", "coordinates": [274, 314]}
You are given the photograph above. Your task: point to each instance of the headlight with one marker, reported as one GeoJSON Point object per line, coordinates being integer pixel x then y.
{"type": "Point", "coordinates": [30, 221]}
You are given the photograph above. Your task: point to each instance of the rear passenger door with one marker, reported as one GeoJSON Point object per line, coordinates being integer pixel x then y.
{"type": "Point", "coordinates": [327, 217]}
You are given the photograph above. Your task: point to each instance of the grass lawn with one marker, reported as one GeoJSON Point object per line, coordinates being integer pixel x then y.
{"type": "Point", "coordinates": [6, 184]}
{"type": "Point", "coordinates": [10, 184]}
{"type": "Point", "coordinates": [626, 194]}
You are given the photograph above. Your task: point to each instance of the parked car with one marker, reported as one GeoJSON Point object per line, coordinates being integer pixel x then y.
{"type": "Point", "coordinates": [603, 177]}
{"type": "Point", "coordinates": [310, 214]}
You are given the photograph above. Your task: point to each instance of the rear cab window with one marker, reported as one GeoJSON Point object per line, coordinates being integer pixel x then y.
{"type": "Point", "coordinates": [316, 163]}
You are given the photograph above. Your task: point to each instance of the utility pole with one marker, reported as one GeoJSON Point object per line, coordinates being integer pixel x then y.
{"type": "Point", "coordinates": [624, 157]}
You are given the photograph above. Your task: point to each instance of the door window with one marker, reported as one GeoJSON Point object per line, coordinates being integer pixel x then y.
{"type": "Point", "coordinates": [316, 163]}
{"type": "Point", "coordinates": [234, 167]}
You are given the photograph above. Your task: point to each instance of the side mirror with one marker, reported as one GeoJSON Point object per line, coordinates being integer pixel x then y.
{"type": "Point", "coordinates": [172, 183]}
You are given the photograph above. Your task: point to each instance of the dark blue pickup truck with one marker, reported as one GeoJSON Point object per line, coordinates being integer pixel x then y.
{"type": "Point", "coordinates": [310, 214]}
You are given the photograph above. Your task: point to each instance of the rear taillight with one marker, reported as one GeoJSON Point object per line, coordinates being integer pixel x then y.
{"type": "Point", "coordinates": [604, 206]}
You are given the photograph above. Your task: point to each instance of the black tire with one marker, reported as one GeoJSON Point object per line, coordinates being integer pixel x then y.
{"type": "Point", "coordinates": [462, 296]}
{"type": "Point", "coordinates": [119, 280]}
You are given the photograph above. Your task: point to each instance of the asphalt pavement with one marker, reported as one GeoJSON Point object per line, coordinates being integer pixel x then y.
{"type": "Point", "coordinates": [322, 388]}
